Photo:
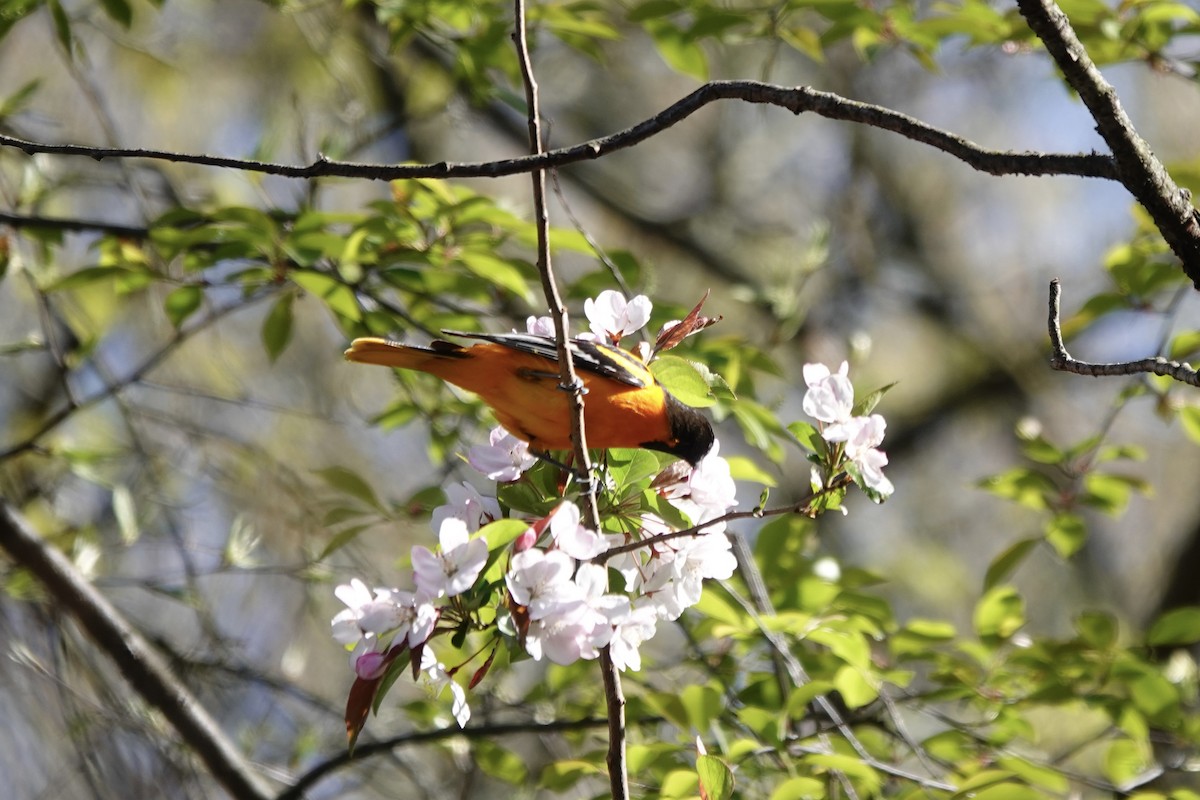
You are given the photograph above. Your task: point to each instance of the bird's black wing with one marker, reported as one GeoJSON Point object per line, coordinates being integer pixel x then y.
{"type": "Point", "coordinates": [593, 357]}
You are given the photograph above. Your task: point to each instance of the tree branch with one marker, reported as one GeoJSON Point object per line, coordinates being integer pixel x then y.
{"type": "Point", "coordinates": [140, 664]}
{"type": "Point", "coordinates": [797, 99]}
{"type": "Point", "coordinates": [1136, 166]}
{"type": "Point", "coordinates": [1062, 361]}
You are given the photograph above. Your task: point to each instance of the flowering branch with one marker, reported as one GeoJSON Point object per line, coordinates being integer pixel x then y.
{"type": "Point", "coordinates": [801, 507]}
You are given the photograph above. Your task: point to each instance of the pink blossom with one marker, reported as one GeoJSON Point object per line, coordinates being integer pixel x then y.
{"type": "Point", "coordinates": [503, 458]}
{"type": "Point", "coordinates": [453, 570]}
{"type": "Point", "coordinates": [830, 396]}
{"type": "Point", "coordinates": [611, 316]}
{"type": "Point", "coordinates": [466, 503]}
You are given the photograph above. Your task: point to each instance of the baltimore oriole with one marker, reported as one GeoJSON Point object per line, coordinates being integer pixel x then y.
{"type": "Point", "coordinates": [517, 375]}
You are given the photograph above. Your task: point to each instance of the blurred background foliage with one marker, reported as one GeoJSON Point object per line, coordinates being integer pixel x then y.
{"type": "Point", "coordinates": [175, 413]}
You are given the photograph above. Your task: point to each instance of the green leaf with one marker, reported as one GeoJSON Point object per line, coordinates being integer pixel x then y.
{"type": "Point", "coordinates": [720, 609]}
{"type": "Point", "coordinates": [807, 435]}
{"type": "Point", "coordinates": [277, 326]}
{"type": "Point", "coordinates": [347, 481]}
{"type": "Point", "coordinates": [1035, 774]}
{"type": "Point", "coordinates": [499, 535]}
{"type": "Point", "coordinates": [678, 784]}
{"type": "Point", "coordinates": [499, 762]}
{"type": "Point", "coordinates": [742, 468]}
{"type": "Point", "coordinates": [1041, 451]}
{"type": "Point", "coordinates": [1189, 418]}
{"type": "Point", "coordinates": [1124, 761]}
{"type": "Point", "coordinates": [1176, 627]}
{"type": "Point", "coordinates": [850, 766]}
{"type": "Point", "coordinates": [653, 9]}
{"type": "Point", "coordinates": [118, 11]}
{"type": "Point", "coordinates": [1097, 628]}
{"type": "Point", "coordinates": [684, 380]}
{"type": "Point", "coordinates": [935, 630]}
{"type": "Point", "coordinates": [1184, 345]}
{"type": "Point", "coordinates": [680, 52]}
{"type": "Point", "coordinates": [340, 540]}
{"type": "Point", "coordinates": [1025, 487]}
{"type": "Point", "coordinates": [17, 101]}
{"type": "Point", "coordinates": [62, 26]}
{"type": "Point", "coordinates": [981, 780]}
{"type": "Point", "coordinates": [563, 775]}
{"type": "Point", "coordinates": [716, 779]}
{"type": "Point", "coordinates": [849, 646]}
{"type": "Point", "coordinates": [90, 275]}
{"type": "Point", "coordinates": [701, 705]}
{"type": "Point", "coordinates": [1110, 492]}
{"type": "Point", "coordinates": [1007, 562]}
{"type": "Point", "coordinates": [856, 690]}
{"type": "Point", "coordinates": [337, 295]}
{"type": "Point", "coordinates": [1004, 791]}
{"type": "Point", "coordinates": [497, 271]}
{"type": "Point", "coordinates": [799, 789]}
{"type": "Point", "coordinates": [182, 303]}
{"type": "Point", "coordinates": [1000, 613]}
{"type": "Point", "coordinates": [1066, 533]}
{"type": "Point", "coordinates": [866, 405]}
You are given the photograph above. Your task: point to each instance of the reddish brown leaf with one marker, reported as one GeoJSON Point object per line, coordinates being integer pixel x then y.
{"type": "Point", "coordinates": [693, 322]}
{"type": "Point", "coordinates": [358, 706]}
{"type": "Point", "coordinates": [482, 671]}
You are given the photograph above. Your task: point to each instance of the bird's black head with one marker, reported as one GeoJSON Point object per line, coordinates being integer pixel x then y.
{"type": "Point", "coordinates": [691, 433]}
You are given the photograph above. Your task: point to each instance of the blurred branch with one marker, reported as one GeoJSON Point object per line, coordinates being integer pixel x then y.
{"type": "Point", "coordinates": [1135, 164]}
{"type": "Point", "coordinates": [797, 99]}
{"type": "Point", "coordinates": [1062, 361]}
{"type": "Point", "coordinates": [363, 751]}
{"type": "Point", "coordinates": [26, 222]}
{"type": "Point", "coordinates": [141, 666]}
{"type": "Point", "coordinates": [111, 389]}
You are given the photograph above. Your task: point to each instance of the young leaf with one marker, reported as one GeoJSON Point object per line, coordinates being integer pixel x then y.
{"type": "Point", "coordinates": [1179, 626]}
{"type": "Point", "coordinates": [277, 327]}
{"type": "Point", "coordinates": [999, 613]}
{"type": "Point", "coordinates": [347, 481]}
{"type": "Point", "coordinates": [716, 779]}
{"type": "Point", "coordinates": [1007, 561]}
{"type": "Point", "coordinates": [182, 303]}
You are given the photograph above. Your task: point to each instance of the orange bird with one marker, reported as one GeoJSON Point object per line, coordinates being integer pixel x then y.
{"type": "Point", "coordinates": [517, 375]}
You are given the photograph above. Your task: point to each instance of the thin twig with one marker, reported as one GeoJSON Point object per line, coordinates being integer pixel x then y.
{"type": "Point", "coordinates": [1062, 361]}
{"type": "Point", "coordinates": [800, 507]}
{"type": "Point", "coordinates": [797, 99]}
{"type": "Point", "coordinates": [569, 382]}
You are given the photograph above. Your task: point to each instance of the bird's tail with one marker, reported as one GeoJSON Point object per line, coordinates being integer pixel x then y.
{"type": "Point", "coordinates": [402, 356]}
